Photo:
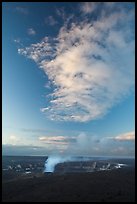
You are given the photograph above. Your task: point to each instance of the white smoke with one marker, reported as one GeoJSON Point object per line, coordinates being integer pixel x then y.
{"type": "Point", "coordinates": [52, 161]}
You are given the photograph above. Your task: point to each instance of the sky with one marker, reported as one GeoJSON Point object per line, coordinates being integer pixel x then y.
{"type": "Point", "coordinates": [68, 77]}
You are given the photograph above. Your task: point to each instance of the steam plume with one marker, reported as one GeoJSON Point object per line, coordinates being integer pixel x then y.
{"type": "Point", "coordinates": [52, 161]}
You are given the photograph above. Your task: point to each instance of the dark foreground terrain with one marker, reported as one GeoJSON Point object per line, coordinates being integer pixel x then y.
{"type": "Point", "coordinates": [104, 186]}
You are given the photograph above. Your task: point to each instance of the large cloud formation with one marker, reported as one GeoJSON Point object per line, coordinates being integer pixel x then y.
{"type": "Point", "coordinates": [89, 63]}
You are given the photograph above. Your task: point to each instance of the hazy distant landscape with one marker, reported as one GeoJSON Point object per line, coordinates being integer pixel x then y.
{"type": "Point", "coordinates": [116, 184]}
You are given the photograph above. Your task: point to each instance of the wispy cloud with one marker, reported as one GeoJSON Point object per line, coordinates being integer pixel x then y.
{"type": "Point", "coordinates": [48, 85]}
{"type": "Point", "coordinates": [59, 140]}
{"type": "Point", "coordinates": [129, 136]}
{"type": "Point", "coordinates": [61, 13]}
{"type": "Point", "coordinates": [13, 140]}
{"type": "Point", "coordinates": [22, 10]}
{"type": "Point", "coordinates": [90, 65]}
{"type": "Point", "coordinates": [51, 21]}
{"type": "Point", "coordinates": [31, 31]}
{"type": "Point", "coordinates": [34, 130]}
{"type": "Point", "coordinates": [58, 144]}
{"type": "Point", "coordinates": [17, 40]}
{"type": "Point", "coordinates": [88, 7]}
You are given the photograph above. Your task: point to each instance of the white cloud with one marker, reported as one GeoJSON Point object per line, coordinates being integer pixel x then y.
{"type": "Point", "coordinates": [48, 85]}
{"type": "Point", "coordinates": [17, 40]}
{"type": "Point", "coordinates": [51, 21]}
{"type": "Point", "coordinates": [57, 140]}
{"type": "Point", "coordinates": [13, 137]}
{"type": "Point", "coordinates": [31, 31]}
{"type": "Point", "coordinates": [57, 144]}
{"type": "Point", "coordinates": [88, 7]}
{"type": "Point", "coordinates": [13, 140]}
{"type": "Point", "coordinates": [129, 136]}
{"type": "Point", "coordinates": [90, 65]}
{"type": "Point", "coordinates": [61, 13]}
{"type": "Point", "coordinates": [22, 10]}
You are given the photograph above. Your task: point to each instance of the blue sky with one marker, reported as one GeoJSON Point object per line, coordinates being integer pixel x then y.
{"type": "Point", "coordinates": [68, 78]}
